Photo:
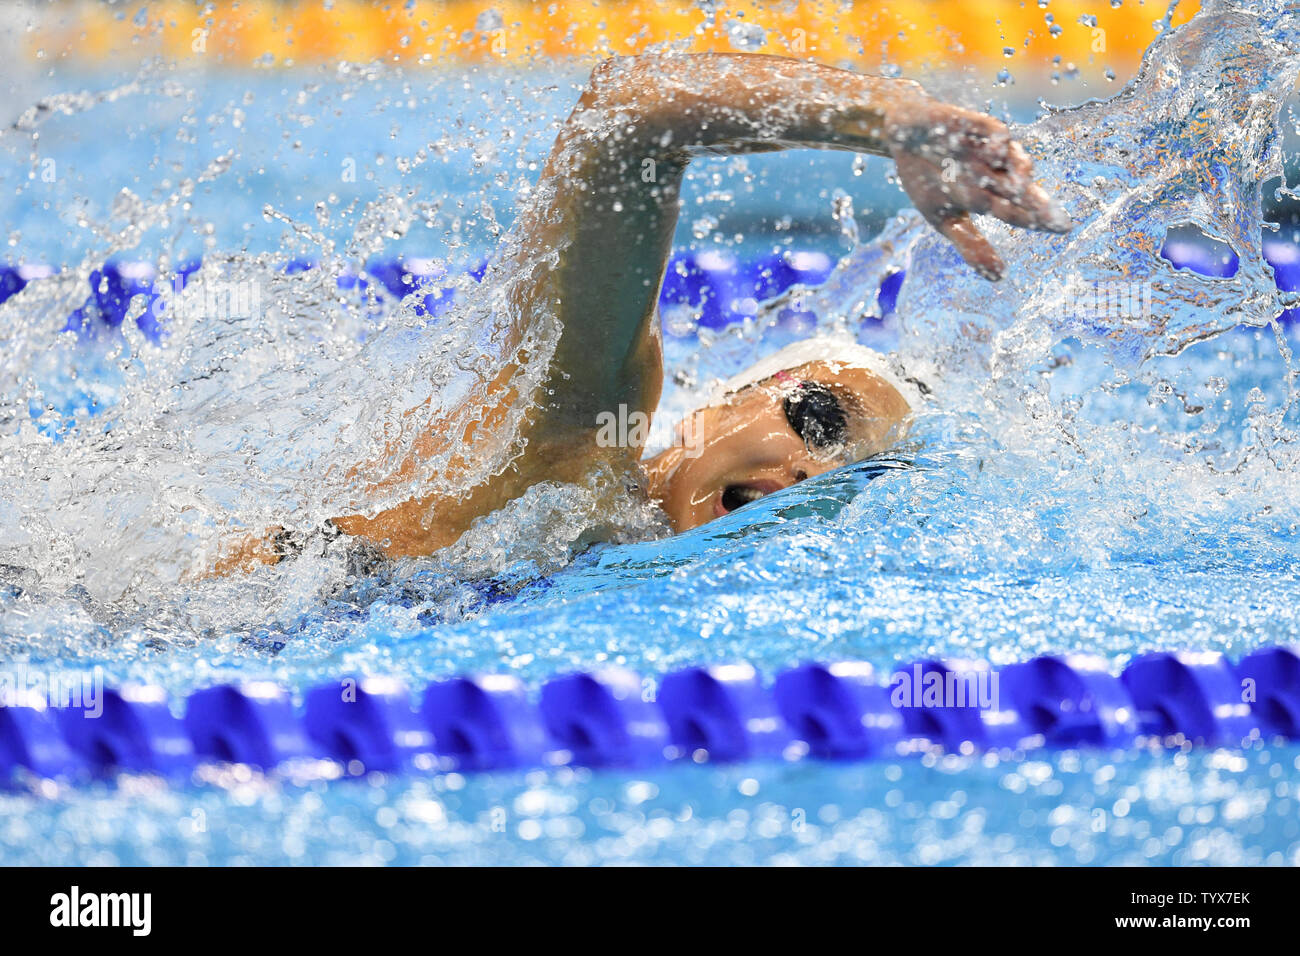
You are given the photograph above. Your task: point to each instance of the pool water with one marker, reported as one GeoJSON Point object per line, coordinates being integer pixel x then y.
{"type": "Point", "coordinates": [1082, 481]}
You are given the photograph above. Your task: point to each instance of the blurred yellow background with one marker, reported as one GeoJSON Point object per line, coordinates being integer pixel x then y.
{"type": "Point", "coordinates": [1025, 36]}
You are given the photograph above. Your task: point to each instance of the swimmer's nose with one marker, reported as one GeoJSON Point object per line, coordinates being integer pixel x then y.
{"type": "Point", "coordinates": [806, 467]}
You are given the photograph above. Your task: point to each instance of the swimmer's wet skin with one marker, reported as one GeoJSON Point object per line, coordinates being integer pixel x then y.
{"type": "Point", "coordinates": [608, 234]}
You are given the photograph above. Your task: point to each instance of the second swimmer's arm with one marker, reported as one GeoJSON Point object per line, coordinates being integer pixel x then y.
{"type": "Point", "coordinates": [606, 205]}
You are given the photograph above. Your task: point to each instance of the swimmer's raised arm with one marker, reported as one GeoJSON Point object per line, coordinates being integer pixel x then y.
{"type": "Point", "coordinates": [607, 202]}
{"type": "Point", "coordinates": [593, 242]}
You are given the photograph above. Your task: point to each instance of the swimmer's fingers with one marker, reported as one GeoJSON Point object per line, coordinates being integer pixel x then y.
{"type": "Point", "coordinates": [962, 133]}
{"type": "Point", "coordinates": [1029, 208]}
{"type": "Point", "coordinates": [1017, 199]}
{"type": "Point", "coordinates": [942, 205]}
{"type": "Point", "coordinates": [970, 242]}
{"type": "Point", "coordinates": [981, 166]}
{"type": "Point", "coordinates": [1010, 193]}
{"type": "Point", "coordinates": [973, 187]}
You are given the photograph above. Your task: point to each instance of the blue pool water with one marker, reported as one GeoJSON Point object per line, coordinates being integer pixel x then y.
{"type": "Point", "coordinates": [1080, 483]}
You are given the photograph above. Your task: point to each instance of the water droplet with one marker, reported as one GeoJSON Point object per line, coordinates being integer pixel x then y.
{"type": "Point", "coordinates": [842, 213]}
{"type": "Point", "coordinates": [745, 36]}
{"type": "Point", "coordinates": [703, 227]}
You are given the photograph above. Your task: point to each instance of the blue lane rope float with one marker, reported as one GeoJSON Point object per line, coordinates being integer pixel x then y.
{"type": "Point", "coordinates": [841, 710]}
{"type": "Point", "coordinates": [484, 723]}
{"type": "Point", "coordinates": [604, 718]}
{"type": "Point", "coordinates": [131, 729]}
{"type": "Point", "coordinates": [365, 721]}
{"type": "Point", "coordinates": [615, 718]}
{"type": "Point", "coordinates": [254, 724]}
{"type": "Point", "coordinates": [717, 286]}
{"type": "Point", "coordinates": [723, 711]}
{"type": "Point", "coordinates": [1071, 701]}
{"type": "Point", "coordinates": [1276, 673]}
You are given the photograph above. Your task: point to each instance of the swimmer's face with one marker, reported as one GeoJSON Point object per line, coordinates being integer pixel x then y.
{"type": "Point", "coordinates": [770, 435]}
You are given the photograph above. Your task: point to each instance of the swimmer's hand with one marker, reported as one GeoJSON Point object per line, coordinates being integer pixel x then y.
{"type": "Point", "coordinates": [953, 162]}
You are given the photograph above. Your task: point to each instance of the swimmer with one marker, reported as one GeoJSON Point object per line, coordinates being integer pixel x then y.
{"type": "Point", "coordinates": [608, 232]}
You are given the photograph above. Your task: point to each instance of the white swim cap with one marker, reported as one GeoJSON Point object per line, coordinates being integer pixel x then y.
{"type": "Point", "coordinates": [838, 350]}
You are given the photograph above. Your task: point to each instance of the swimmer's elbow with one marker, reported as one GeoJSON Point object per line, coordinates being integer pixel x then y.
{"type": "Point", "coordinates": [632, 87]}
{"type": "Point", "coordinates": [613, 85]}
{"type": "Point", "coordinates": [607, 71]}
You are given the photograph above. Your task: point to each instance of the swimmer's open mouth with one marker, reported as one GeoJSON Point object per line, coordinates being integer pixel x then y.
{"type": "Point", "coordinates": [737, 496]}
